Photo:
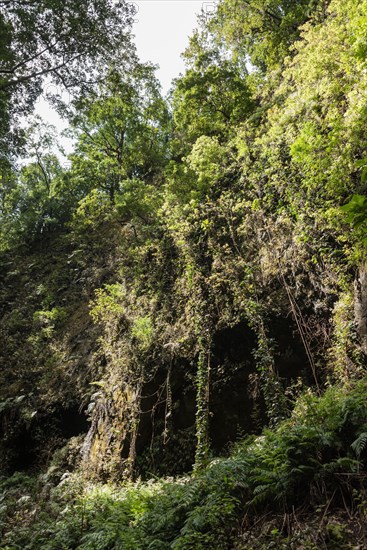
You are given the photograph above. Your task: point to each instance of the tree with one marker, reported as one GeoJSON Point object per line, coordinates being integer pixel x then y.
{"type": "Point", "coordinates": [263, 30]}
{"type": "Point", "coordinates": [213, 95]}
{"type": "Point", "coordinates": [70, 42]}
{"type": "Point", "coordinates": [34, 198]}
{"type": "Point", "coordinates": [121, 129]}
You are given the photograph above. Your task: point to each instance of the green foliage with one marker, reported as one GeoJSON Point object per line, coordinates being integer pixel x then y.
{"type": "Point", "coordinates": [138, 200]}
{"type": "Point", "coordinates": [202, 407]}
{"type": "Point", "coordinates": [242, 208]}
{"type": "Point", "coordinates": [211, 97]}
{"type": "Point", "coordinates": [264, 30]}
{"type": "Point", "coordinates": [143, 330]}
{"type": "Point", "coordinates": [35, 200]}
{"type": "Point", "coordinates": [47, 321]}
{"type": "Point", "coordinates": [92, 211]}
{"type": "Point", "coordinates": [300, 461]}
{"type": "Point", "coordinates": [205, 160]}
{"type": "Point", "coordinates": [107, 302]}
{"type": "Point", "coordinates": [121, 130]}
{"type": "Point", "coordinates": [356, 214]}
{"type": "Point", "coordinates": [34, 45]}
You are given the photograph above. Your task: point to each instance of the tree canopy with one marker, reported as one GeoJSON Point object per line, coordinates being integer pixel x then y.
{"type": "Point", "coordinates": [72, 43]}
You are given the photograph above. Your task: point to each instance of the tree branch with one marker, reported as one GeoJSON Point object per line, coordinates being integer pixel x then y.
{"type": "Point", "coordinates": [25, 61]}
{"type": "Point", "coordinates": [14, 82]}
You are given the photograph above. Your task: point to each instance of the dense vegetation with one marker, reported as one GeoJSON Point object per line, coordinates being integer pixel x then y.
{"type": "Point", "coordinates": [190, 284]}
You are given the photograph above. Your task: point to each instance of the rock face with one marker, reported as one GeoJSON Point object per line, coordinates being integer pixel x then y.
{"type": "Point", "coordinates": [65, 383]}
{"type": "Point", "coordinates": [91, 350]}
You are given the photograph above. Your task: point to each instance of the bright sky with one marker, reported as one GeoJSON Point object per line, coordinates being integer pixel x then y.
{"type": "Point", "coordinates": [161, 29]}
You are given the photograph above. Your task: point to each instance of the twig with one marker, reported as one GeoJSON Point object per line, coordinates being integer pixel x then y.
{"type": "Point", "coordinates": [325, 512]}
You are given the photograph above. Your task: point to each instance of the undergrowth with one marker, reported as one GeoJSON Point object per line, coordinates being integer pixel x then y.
{"type": "Point", "coordinates": [313, 462]}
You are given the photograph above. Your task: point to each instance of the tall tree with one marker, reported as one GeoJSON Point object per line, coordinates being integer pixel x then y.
{"type": "Point", "coordinates": [263, 30]}
{"type": "Point", "coordinates": [213, 94]}
{"type": "Point", "coordinates": [121, 130]}
{"type": "Point", "coordinates": [70, 42]}
{"type": "Point", "coordinates": [34, 198]}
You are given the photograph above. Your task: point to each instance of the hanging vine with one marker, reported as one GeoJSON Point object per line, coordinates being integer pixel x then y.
{"type": "Point", "coordinates": [202, 404]}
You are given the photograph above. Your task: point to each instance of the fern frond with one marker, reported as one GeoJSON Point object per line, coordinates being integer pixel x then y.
{"type": "Point", "coordinates": [359, 444]}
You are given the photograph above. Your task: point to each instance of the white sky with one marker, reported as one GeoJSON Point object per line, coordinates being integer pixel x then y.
{"type": "Point", "coordinates": [161, 29]}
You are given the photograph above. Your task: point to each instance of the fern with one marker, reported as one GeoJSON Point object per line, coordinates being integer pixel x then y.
{"type": "Point", "coordinates": [359, 444]}
{"type": "Point", "coordinates": [280, 468]}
